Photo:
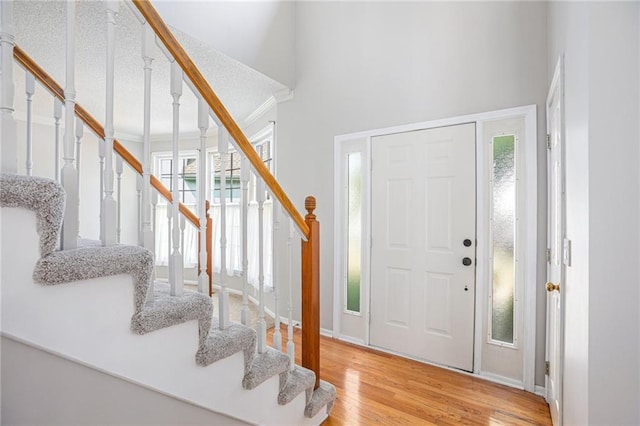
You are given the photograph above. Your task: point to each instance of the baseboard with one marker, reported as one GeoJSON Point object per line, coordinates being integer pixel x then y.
{"type": "Point", "coordinates": [326, 332]}
{"type": "Point", "coordinates": [352, 340]}
{"type": "Point", "coordinates": [251, 299]}
{"type": "Point", "coordinates": [283, 320]}
{"type": "Point", "coordinates": [507, 381]}
{"type": "Point", "coordinates": [540, 391]}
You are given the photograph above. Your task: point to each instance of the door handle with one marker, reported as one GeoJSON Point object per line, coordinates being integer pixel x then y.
{"type": "Point", "coordinates": [467, 261]}
{"type": "Point", "coordinates": [551, 287]}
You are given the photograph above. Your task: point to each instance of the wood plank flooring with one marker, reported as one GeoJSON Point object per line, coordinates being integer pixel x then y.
{"type": "Point", "coordinates": [378, 388]}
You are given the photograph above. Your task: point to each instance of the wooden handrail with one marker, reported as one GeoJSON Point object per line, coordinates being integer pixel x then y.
{"type": "Point", "coordinates": [56, 90]}
{"type": "Point", "coordinates": [152, 17]}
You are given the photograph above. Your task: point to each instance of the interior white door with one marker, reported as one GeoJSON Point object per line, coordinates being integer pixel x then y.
{"type": "Point", "coordinates": [423, 244]}
{"type": "Point", "coordinates": [555, 254]}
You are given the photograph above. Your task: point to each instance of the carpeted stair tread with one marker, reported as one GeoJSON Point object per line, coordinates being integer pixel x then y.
{"type": "Point", "coordinates": [221, 344]}
{"type": "Point", "coordinates": [95, 261]}
{"type": "Point", "coordinates": [265, 366]}
{"type": "Point", "coordinates": [299, 379]}
{"type": "Point", "coordinates": [166, 310]}
{"type": "Point", "coordinates": [43, 196]}
{"type": "Point", "coordinates": [324, 395]}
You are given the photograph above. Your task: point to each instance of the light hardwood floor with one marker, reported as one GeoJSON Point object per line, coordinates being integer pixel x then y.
{"type": "Point", "coordinates": [378, 388]}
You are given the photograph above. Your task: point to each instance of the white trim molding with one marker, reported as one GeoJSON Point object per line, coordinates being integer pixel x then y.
{"type": "Point", "coordinates": [362, 141]}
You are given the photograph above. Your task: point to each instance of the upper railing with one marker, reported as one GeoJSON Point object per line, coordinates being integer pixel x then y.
{"type": "Point", "coordinates": [52, 86]}
{"type": "Point", "coordinates": [192, 72]}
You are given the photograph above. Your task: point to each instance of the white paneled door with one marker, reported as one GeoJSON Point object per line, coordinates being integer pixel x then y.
{"type": "Point", "coordinates": [556, 251]}
{"type": "Point", "coordinates": [423, 244]}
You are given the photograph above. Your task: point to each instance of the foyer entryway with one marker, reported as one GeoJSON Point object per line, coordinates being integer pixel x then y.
{"type": "Point", "coordinates": [423, 224]}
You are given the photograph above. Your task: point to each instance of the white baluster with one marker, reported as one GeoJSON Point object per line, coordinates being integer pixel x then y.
{"type": "Point", "coordinates": [275, 277]}
{"type": "Point", "coordinates": [57, 116]}
{"type": "Point", "coordinates": [148, 43]}
{"type": "Point", "coordinates": [183, 224]}
{"type": "Point", "coordinates": [262, 325]}
{"type": "Point", "coordinates": [223, 297]}
{"type": "Point", "coordinates": [8, 131]}
{"type": "Point", "coordinates": [79, 133]}
{"type": "Point", "coordinates": [203, 125]}
{"type": "Point", "coordinates": [30, 88]}
{"type": "Point", "coordinates": [101, 149]}
{"type": "Point", "coordinates": [139, 185]}
{"type": "Point", "coordinates": [176, 278]}
{"type": "Point", "coordinates": [170, 264]}
{"type": "Point", "coordinates": [119, 170]}
{"type": "Point", "coordinates": [277, 334]}
{"type": "Point", "coordinates": [154, 209]}
{"type": "Point", "coordinates": [244, 178]}
{"type": "Point", "coordinates": [291, 347]}
{"type": "Point", "coordinates": [69, 176]}
{"type": "Point", "coordinates": [109, 203]}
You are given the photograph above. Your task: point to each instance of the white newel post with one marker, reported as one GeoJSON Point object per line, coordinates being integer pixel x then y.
{"type": "Point", "coordinates": [57, 116]}
{"type": "Point", "coordinates": [203, 125]}
{"type": "Point", "coordinates": [109, 208]}
{"type": "Point", "coordinates": [69, 175]}
{"type": "Point", "coordinates": [223, 296]}
{"type": "Point", "coordinates": [29, 88]}
{"type": "Point", "coordinates": [277, 334]}
{"type": "Point", "coordinates": [291, 347]}
{"type": "Point", "coordinates": [176, 278]}
{"type": "Point", "coordinates": [9, 134]}
{"type": "Point", "coordinates": [244, 178]}
{"type": "Point", "coordinates": [262, 325]}
{"type": "Point", "coordinates": [79, 133]}
{"type": "Point", "coordinates": [147, 240]}
{"type": "Point", "coordinates": [119, 170]}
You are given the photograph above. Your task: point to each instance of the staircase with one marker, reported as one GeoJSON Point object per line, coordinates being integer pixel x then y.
{"type": "Point", "coordinates": [98, 303]}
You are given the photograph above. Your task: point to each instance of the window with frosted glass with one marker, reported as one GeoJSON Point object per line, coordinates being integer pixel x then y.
{"type": "Point", "coordinates": [354, 230]}
{"type": "Point", "coordinates": [503, 233]}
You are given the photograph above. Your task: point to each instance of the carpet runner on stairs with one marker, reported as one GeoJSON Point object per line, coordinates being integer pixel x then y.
{"type": "Point", "coordinates": [90, 260]}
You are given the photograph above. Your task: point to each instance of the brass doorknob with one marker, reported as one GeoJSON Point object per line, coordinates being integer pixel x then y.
{"type": "Point", "coordinates": [552, 286]}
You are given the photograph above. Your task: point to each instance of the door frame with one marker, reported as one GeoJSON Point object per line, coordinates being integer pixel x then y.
{"type": "Point", "coordinates": [557, 85]}
{"type": "Point", "coordinates": [363, 139]}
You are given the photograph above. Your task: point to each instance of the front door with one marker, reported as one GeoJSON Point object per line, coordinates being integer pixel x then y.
{"type": "Point", "coordinates": [555, 254]}
{"type": "Point", "coordinates": [423, 244]}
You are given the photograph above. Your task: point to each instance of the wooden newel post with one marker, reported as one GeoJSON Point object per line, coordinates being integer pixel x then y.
{"type": "Point", "coordinates": [311, 292]}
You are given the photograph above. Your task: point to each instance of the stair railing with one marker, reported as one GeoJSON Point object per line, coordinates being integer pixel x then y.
{"type": "Point", "coordinates": [183, 70]}
{"type": "Point", "coordinates": [307, 227]}
{"type": "Point", "coordinates": [84, 117]}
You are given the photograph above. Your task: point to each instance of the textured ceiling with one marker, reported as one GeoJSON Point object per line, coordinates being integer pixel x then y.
{"type": "Point", "coordinates": [39, 30]}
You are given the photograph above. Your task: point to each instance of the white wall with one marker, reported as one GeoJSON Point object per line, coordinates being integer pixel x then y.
{"type": "Point", "coordinates": [366, 65]}
{"type": "Point", "coordinates": [259, 34]}
{"type": "Point", "coordinates": [614, 76]}
{"type": "Point", "coordinates": [602, 354]}
{"type": "Point", "coordinates": [34, 378]}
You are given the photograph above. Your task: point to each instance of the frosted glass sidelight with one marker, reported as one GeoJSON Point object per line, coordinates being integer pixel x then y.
{"type": "Point", "coordinates": [354, 230]}
{"type": "Point", "coordinates": [503, 232]}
